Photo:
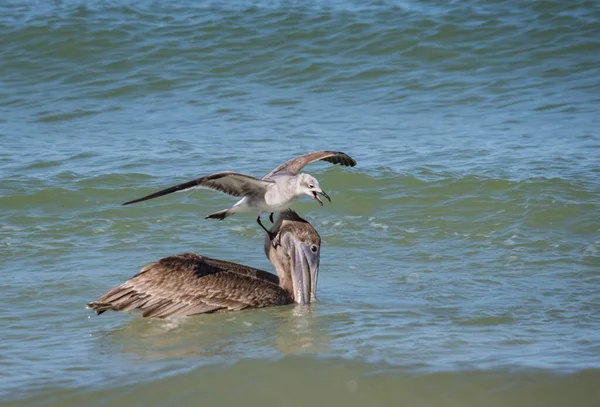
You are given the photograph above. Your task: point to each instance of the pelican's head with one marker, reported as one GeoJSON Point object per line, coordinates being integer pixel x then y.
{"type": "Point", "coordinates": [310, 186]}
{"type": "Point", "coordinates": [295, 252]}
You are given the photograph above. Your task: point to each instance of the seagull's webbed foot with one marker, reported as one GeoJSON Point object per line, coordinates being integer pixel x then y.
{"type": "Point", "coordinates": [271, 217]}
{"type": "Point", "coordinates": [271, 234]}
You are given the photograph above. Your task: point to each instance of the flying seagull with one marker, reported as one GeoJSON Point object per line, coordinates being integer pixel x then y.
{"type": "Point", "coordinates": [275, 192]}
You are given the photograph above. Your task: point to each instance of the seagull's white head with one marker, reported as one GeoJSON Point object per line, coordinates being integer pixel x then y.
{"type": "Point", "coordinates": [310, 186]}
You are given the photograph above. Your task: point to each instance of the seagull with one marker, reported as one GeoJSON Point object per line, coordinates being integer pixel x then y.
{"type": "Point", "coordinates": [275, 192]}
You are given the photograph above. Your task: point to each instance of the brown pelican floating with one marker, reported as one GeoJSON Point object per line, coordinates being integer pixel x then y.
{"type": "Point", "coordinates": [275, 192]}
{"type": "Point", "coordinates": [190, 284]}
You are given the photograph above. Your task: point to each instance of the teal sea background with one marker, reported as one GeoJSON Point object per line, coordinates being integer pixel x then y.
{"type": "Point", "coordinates": [461, 256]}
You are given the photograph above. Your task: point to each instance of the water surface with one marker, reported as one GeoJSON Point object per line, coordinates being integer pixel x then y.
{"type": "Point", "coordinates": [461, 256]}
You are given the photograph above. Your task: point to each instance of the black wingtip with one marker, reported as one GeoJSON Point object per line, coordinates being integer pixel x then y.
{"type": "Point", "coordinates": [341, 158]}
{"type": "Point", "coordinates": [350, 162]}
{"type": "Point", "coordinates": [144, 198]}
{"type": "Point", "coordinates": [218, 215]}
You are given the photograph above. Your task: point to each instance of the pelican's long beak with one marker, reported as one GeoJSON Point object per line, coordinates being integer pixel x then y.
{"type": "Point", "coordinates": [305, 272]}
{"type": "Point", "coordinates": [315, 194]}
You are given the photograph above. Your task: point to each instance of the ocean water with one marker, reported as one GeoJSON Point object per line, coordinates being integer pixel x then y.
{"type": "Point", "coordinates": [460, 258]}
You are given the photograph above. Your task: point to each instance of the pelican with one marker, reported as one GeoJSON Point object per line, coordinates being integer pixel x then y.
{"type": "Point", "coordinates": [275, 192]}
{"type": "Point", "coordinates": [189, 284]}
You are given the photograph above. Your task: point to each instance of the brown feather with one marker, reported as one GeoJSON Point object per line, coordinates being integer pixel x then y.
{"type": "Point", "coordinates": [190, 284]}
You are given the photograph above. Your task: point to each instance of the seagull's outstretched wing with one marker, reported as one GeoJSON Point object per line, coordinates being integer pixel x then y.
{"type": "Point", "coordinates": [232, 183]}
{"type": "Point", "coordinates": [296, 164]}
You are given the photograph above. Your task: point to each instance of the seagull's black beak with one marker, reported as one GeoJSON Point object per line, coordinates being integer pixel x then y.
{"type": "Point", "coordinates": [317, 198]}
{"type": "Point", "coordinates": [315, 194]}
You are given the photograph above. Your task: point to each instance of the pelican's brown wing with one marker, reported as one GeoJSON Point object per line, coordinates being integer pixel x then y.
{"type": "Point", "coordinates": [295, 165]}
{"type": "Point", "coordinates": [190, 284]}
{"type": "Point", "coordinates": [232, 183]}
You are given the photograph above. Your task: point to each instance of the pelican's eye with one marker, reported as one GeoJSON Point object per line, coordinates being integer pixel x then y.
{"type": "Point", "coordinates": [311, 186]}
{"type": "Point", "coordinates": [314, 248]}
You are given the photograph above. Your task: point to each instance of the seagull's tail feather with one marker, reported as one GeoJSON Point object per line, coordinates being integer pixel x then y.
{"type": "Point", "coordinates": [220, 215]}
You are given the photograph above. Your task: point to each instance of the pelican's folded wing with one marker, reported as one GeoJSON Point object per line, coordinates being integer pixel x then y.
{"type": "Point", "coordinates": [190, 284]}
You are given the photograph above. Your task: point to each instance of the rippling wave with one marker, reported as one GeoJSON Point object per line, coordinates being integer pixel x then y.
{"type": "Point", "coordinates": [424, 55]}
{"type": "Point", "coordinates": [465, 241]}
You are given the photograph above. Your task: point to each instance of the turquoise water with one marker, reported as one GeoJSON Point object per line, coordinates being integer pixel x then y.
{"type": "Point", "coordinates": [460, 258]}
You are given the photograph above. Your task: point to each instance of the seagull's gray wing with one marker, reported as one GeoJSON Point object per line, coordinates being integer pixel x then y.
{"type": "Point", "coordinates": [232, 183]}
{"type": "Point", "coordinates": [296, 164]}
